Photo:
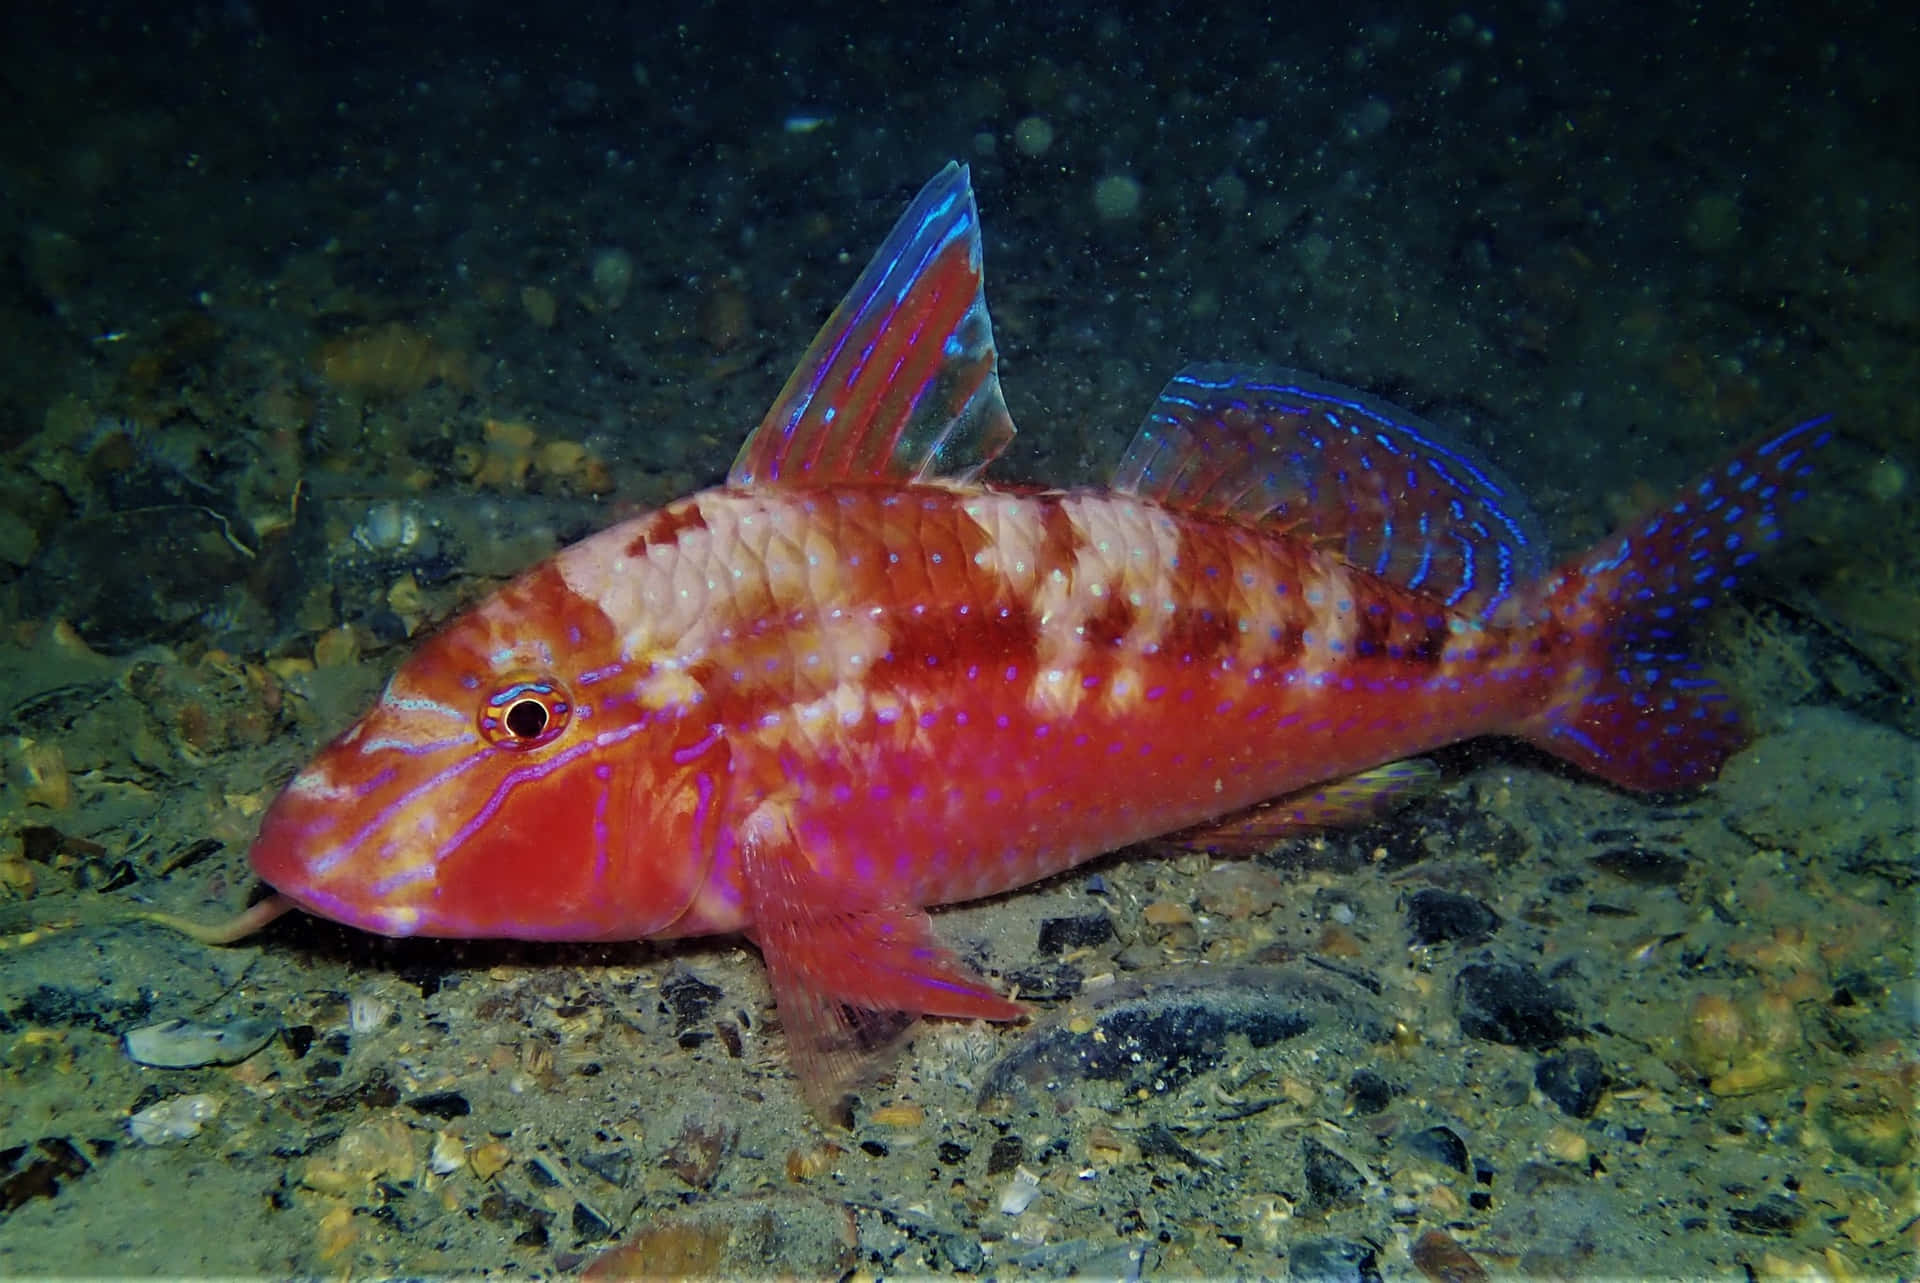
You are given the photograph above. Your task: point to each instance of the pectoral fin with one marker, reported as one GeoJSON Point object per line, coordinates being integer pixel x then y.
{"type": "Point", "coordinates": [850, 974]}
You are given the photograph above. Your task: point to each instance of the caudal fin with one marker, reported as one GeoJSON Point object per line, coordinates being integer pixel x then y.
{"type": "Point", "coordinates": [1634, 708]}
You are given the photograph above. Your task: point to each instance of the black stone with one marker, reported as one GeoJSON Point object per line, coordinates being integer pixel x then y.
{"type": "Point", "coordinates": [1048, 982]}
{"type": "Point", "coordinates": [1441, 1145]}
{"type": "Point", "coordinates": [963, 1252]}
{"type": "Point", "coordinates": [1771, 1217]}
{"type": "Point", "coordinates": [1083, 931]}
{"type": "Point", "coordinates": [1151, 1037]}
{"type": "Point", "coordinates": [951, 1151]}
{"type": "Point", "coordinates": [1332, 1260]}
{"type": "Point", "coordinates": [1436, 917]}
{"type": "Point", "coordinates": [874, 1148]}
{"type": "Point", "coordinates": [1573, 1080]}
{"type": "Point", "coordinates": [1331, 1180]}
{"type": "Point", "coordinates": [1157, 1140]}
{"type": "Point", "coordinates": [1007, 1153]}
{"type": "Point", "coordinates": [1369, 1092]}
{"type": "Point", "coordinates": [441, 1104]}
{"type": "Point", "coordinates": [589, 1224]}
{"type": "Point", "coordinates": [611, 1166]}
{"type": "Point", "coordinates": [1512, 1004]}
{"type": "Point", "coordinates": [1643, 866]}
{"type": "Point", "coordinates": [689, 998]}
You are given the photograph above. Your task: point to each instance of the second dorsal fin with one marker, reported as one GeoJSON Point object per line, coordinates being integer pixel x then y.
{"type": "Point", "coordinates": [1378, 485]}
{"type": "Point", "coordinates": [902, 383]}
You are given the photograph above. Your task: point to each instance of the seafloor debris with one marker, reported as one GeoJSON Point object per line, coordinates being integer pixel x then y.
{"type": "Point", "coordinates": [175, 1118]}
{"type": "Point", "coordinates": [183, 1044]}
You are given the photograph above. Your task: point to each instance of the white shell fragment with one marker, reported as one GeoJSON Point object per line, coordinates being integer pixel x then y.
{"type": "Point", "coordinates": [367, 1012]}
{"type": "Point", "coordinates": [177, 1118]}
{"type": "Point", "coordinates": [181, 1044]}
{"type": "Point", "coordinates": [448, 1154]}
{"type": "Point", "coordinates": [1020, 1192]}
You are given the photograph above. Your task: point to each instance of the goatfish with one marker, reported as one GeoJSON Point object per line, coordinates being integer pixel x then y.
{"type": "Point", "coordinates": [858, 679]}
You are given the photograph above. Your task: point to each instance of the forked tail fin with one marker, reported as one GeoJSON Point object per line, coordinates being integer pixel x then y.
{"type": "Point", "coordinates": [1634, 708]}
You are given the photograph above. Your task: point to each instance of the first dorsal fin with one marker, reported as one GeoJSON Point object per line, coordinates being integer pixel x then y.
{"type": "Point", "coordinates": [1381, 487]}
{"type": "Point", "coordinates": [901, 384]}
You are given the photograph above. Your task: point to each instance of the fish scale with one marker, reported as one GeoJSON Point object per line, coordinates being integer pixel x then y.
{"type": "Point", "coordinates": [857, 679]}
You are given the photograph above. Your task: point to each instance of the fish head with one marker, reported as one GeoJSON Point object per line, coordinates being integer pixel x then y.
{"type": "Point", "coordinates": [507, 785]}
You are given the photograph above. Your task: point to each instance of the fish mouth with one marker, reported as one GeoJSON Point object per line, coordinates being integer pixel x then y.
{"type": "Point", "coordinates": [301, 853]}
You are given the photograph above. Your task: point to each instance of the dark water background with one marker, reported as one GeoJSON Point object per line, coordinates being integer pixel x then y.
{"type": "Point", "coordinates": [315, 320]}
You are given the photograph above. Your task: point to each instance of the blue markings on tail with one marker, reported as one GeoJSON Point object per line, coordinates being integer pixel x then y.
{"type": "Point", "coordinates": [1634, 708]}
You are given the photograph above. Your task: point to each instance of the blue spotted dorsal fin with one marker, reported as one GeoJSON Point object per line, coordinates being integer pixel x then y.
{"type": "Point", "coordinates": [1386, 490]}
{"type": "Point", "coordinates": [901, 384]}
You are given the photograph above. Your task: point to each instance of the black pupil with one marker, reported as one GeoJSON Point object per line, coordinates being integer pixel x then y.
{"type": "Point", "coordinates": [527, 719]}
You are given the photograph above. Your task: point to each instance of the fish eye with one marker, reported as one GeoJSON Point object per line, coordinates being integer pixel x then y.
{"type": "Point", "coordinates": [525, 711]}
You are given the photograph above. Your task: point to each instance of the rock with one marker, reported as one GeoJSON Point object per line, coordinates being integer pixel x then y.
{"type": "Point", "coordinates": [1332, 1260]}
{"type": "Point", "coordinates": [446, 1105]}
{"type": "Point", "coordinates": [1368, 1092]}
{"type": "Point", "coordinates": [1771, 1217]}
{"type": "Point", "coordinates": [1439, 1256]}
{"type": "Point", "coordinates": [689, 998]}
{"type": "Point", "coordinates": [1081, 931]}
{"type": "Point", "coordinates": [1155, 1033]}
{"type": "Point", "coordinates": [737, 1238]}
{"type": "Point", "coordinates": [1641, 865]}
{"type": "Point", "coordinates": [1007, 1153]}
{"type": "Point", "coordinates": [1332, 1181]}
{"type": "Point", "coordinates": [1510, 1003]}
{"type": "Point", "coordinates": [1436, 917]}
{"type": "Point", "coordinates": [1050, 982]}
{"type": "Point", "coordinates": [1441, 1145]}
{"type": "Point", "coordinates": [1572, 1080]}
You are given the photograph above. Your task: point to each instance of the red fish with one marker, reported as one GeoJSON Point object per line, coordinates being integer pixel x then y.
{"type": "Point", "coordinates": [856, 680]}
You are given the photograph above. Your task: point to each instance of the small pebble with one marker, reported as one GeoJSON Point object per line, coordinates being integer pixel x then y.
{"type": "Point", "coordinates": [1566, 1145]}
{"type": "Point", "coordinates": [1435, 917]}
{"type": "Point", "coordinates": [1083, 931]}
{"type": "Point", "coordinates": [1368, 1092]}
{"type": "Point", "coordinates": [963, 1252]}
{"type": "Point", "coordinates": [1643, 866]}
{"type": "Point", "coordinates": [1332, 1181]}
{"type": "Point", "coordinates": [1512, 1004]}
{"type": "Point", "coordinates": [1441, 1145]}
{"type": "Point", "coordinates": [1332, 1260]}
{"type": "Point", "coordinates": [1772, 1216]}
{"type": "Point", "coordinates": [490, 1159]}
{"type": "Point", "coordinates": [1439, 1256]}
{"type": "Point", "coordinates": [1572, 1080]}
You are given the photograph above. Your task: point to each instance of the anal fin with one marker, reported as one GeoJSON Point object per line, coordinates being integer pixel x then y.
{"type": "Point", "coordinates": [850, 974]}
{"type": "Point", "coordinates": [1342, 803]}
